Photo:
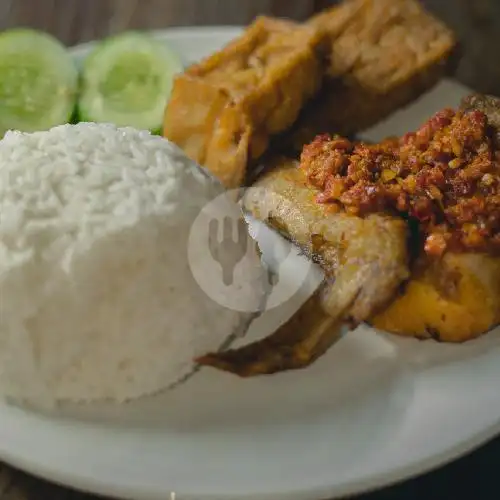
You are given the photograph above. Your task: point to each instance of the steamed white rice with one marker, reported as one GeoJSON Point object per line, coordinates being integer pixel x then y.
{"type": "Point", "coordinates": [97, 300]}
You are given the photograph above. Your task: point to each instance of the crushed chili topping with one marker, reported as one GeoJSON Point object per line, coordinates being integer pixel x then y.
{"type": "Point", "coordinates": [445, 176]}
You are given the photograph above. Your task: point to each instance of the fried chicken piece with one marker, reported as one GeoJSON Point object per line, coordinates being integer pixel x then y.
{"type": "Point", "coordinates": [224, 110]}
{"type": "Point", "coordinates": [490, 106]}
{"type": "Point", "coordinates": [366, 257]}
{"type": "Point", "coordinates": [383, 54]}
{"type": "Point", "coordinates": [458, 297]}
{"type": "Point", "coordinates": [453, 297]}
{"type": "Point", "coordinates": [444, 179]}
{"type": "Point", "coordinates": [296, 344]}
{"type": "Point", "coordinates": [365, 261]}
{"type": "Point", "coordinates": [452, 300]}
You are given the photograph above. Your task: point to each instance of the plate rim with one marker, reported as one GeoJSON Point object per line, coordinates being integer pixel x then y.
{"type": "Point", "coordinates": [370, 484]}
{"type": "Point", "coordinates": [173, 31]}
{"type": "Point", "coordinates": [350, 487]}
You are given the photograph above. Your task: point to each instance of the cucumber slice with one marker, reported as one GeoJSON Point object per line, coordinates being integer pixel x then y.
{"type": "Point", "coordinates": [38, 81]}
{"type": "Point", "coordinates": [127, 80]}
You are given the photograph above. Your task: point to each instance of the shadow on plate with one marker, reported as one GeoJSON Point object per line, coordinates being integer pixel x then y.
{"type": "Point", "coordinates": [427, 354]}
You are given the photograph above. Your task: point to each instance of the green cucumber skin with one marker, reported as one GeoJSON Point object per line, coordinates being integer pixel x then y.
{"type": "Point", "coordinates": [71, 111]}
{"type": "Point", "coordinates": [53, 57]}
{"type": "Point", "coordinates": [90, 79]}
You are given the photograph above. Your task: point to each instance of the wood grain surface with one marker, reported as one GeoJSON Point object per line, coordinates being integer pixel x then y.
{"type": "Point", "coordinates": [476, 22]}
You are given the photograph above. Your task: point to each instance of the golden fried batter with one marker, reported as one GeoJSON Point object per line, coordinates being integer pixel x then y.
{"type": "Point", "coordinates": [342, 71]}
{"type": "Point", "coordinates": [365, 261]}
{"type": "Point", "coordinates": [453, 300]}
{"type": "Point", "coordinates": [367, 257]}
{"type": "Point", "coordinates": [382, 55]}
{"type": "Point", "coordinates": [384, 44]}
{"type": "Point", "coordinates": [296, 344]}
{"type": "Point", "coordinates": [443, 180]}
{"type": "Point", "coordinates": [456, 298]}
{"type": "Point", "coordinates": [223, 111]}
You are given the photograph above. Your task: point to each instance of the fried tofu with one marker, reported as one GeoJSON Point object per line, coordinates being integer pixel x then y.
{"type": "Point", "coordinates": [382, 55]}
{"type": "Point", "coordinates": [281, 83]}
{"type": "Point", "coordinates": [224, 110]}
{"type": "Point", "coordinates": [384, 44]}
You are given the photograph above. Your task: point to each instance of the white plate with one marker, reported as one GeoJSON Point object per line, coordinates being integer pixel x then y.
{"type": "Point", "coordinates": [374, 410]}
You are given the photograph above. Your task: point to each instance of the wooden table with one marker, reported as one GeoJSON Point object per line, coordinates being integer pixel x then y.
{"type": "Point", "coordinates": [73, 21]}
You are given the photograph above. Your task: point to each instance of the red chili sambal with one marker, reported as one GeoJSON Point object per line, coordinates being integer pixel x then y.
{"type": "Point", "coordinates": [445, 176]}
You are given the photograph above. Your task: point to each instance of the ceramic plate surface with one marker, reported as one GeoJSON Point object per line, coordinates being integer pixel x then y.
{"type": "Point", "coordinates": [374, 410]}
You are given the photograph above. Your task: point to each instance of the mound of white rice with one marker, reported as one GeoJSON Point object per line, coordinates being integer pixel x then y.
{"type": "Point", "coordinates": [96, 293]}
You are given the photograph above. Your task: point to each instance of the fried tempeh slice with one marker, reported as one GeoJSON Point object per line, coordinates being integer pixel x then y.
{"type": "Point", "coordinates": [383, 54]}
{"type": "Point", "coordinates": [365, 261]}
{"type": "Point", "coordinates": [224, 110]}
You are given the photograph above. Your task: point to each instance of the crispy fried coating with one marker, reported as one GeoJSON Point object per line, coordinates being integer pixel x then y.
{"type": "Point", "coordinates": [365, 261]}
{"type": "Point", "coordinates": [368, 278]}
{"type": "Point", "coordinates": [385, 43]}
{"type": "Point", "coordinates": [367, 257]}
{"type": "Point", "coordinates": [458, 297]}
{"type": "Point", "coordinates": [490, 106]}
{"type": "Point", "coordinates": [224, 110]}
{"type": "Point", "coordinates": [342, 71]}
{"type": "Point", "coordinates": [382, 55]}
{"type": "Point", "coordinates": [305, 337]}
{"type": "Point", "coordinates": [452, 300]}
